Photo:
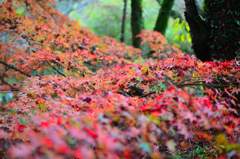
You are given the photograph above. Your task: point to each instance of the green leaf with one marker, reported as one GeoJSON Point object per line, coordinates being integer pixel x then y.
{"type": "Point", "coordinates": [229, 12]}
{"type": "Point", "coordinates": [144, 69]}
{"type": "Point", "coordinates": [176, 37]}
{"type": "Point", "coordinates": [138, 61]}
{"type": "Point", "coordinates": [187, 27]}
{"type": "Point", "coordinates": [42, 105]}
{"type": "Point", "coordinates": [183, 37]}
{"type": "Point", "coordinates": [23, 121]}
{"type": "Point", "coordinates": [189, 38]}
{"type": "Point", "coordinates": [139, 81]}
{"type": "Point", "coordinates": [237, 21]}
{"type": "Point", "coordinates": [222, 146]}
{"type": "Point", "coordinates": [156, 89]}
{"type": "Point", "coordinates": [179, 38]}
{"type": "Point", "coordinates": [183, 24]}
{"type": "Point", "coordinates": [176, 22]}
{"type": "Point", "coordinates": [175, 30]}
{"type": "Point", "coordinates": [162, 86]}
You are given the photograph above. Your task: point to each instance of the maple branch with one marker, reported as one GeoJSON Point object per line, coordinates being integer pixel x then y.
{"type": "Point", "coordinates": [58, 71]}
{"type": "Point", "coordinates": [34, 70]}
{"type": "Point", "coordinates": [85, 48]}
{"type": "Point", "coordinates": [16, 69]}
{"type": "Point", "coordinates": [75, 88]}
{"type": "Point", "coordinates": [145, 95]}
{"type": "Point", "coordinates": [169, 156]}
{"type": "Point", "coordinates": [123, 93]}
{"type": "Point", "coordinates": [12, 88]}
{"type": "Point", "coordinates": [207, 85]}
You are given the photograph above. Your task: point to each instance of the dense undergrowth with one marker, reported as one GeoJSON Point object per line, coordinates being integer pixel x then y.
{"type": "Point", "coordinates": [81, 96]}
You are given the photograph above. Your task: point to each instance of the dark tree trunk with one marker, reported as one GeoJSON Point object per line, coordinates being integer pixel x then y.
{"type": "Point", "coordinates": [163, 16]}
{"type": "Point", "coordinates": [217, 36]}
{"type": "Point", "coordinates": [123, 21]}
{"type": "Point", "coordinates": [198, 31]}
{"type": "Point", "coordinates": [136, 22]}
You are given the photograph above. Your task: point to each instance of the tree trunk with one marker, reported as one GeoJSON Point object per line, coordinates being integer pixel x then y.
{"type": "Point", "coordinates": [217, 36]}
{"type": "Point", "coordinates": [136, 22]}
{"type": "Point", "coordinates": [123, 21]}
{"type": "Point", "coordinates": [163, 16]}
{"type": "Point", "coordinates": [198, 31]}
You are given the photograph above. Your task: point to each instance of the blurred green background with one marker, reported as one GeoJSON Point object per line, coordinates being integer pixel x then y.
{"type": "Point", "coordinates": [104, 17]}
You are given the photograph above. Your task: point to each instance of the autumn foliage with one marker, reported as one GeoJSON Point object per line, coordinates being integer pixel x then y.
{"type": "Point", "coordinates": [81, 96]}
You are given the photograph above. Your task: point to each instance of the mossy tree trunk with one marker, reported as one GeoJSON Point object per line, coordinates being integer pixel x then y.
{"type": "Point", "coordinates": [136, 22]}
{"type": "Point", "coordinates": [216, 35]}
{"type": "Point", "coordinates": [163, 16]}
{"type": "Point", "coordinates": [123, 20]}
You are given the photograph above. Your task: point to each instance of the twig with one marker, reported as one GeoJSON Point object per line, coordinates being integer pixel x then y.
{"type": "Point", "coordinates": [123, 93]}
{"type": "Point", "coordinates": [145, 95]}
{"type": "Point", "coordinates": [207, 85]}
{"type": "Point", "coordinates": [12, 88]}
{"type": "Point", "coordinates": [85, 48]}
{"type": "Point", "coordinates": [191, 148]}
{"type": "Point", "coordinates": [59, 71]}
{"type": "Point", "coordinates": [16, 69]}
{"type": "Point", "coordinates": [34, 70]}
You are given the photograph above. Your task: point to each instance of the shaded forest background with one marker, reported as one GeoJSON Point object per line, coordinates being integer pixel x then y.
{"type": "Point", "coordinates": [104, 17]}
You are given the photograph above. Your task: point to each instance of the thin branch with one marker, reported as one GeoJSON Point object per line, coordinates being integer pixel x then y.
{"type": "Point", "coordinates": [206, 85]}
{"type": "Point", "coordinates": [16, 69]}
{"type": "Point", "coordinates": [123, 93]}
{"type": "Point", "coordinates": [85, 48]}
{"type": "Point", "coordinates": [82, 47]}
{"type": "Point", "coordinates": [34, 70]}
{"type": "Point", "coordinates": [58, 71]}
{"type": "Point", "coordinates": [145, 95]}
{"type": "Point", "coordinates": [12, 88]}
